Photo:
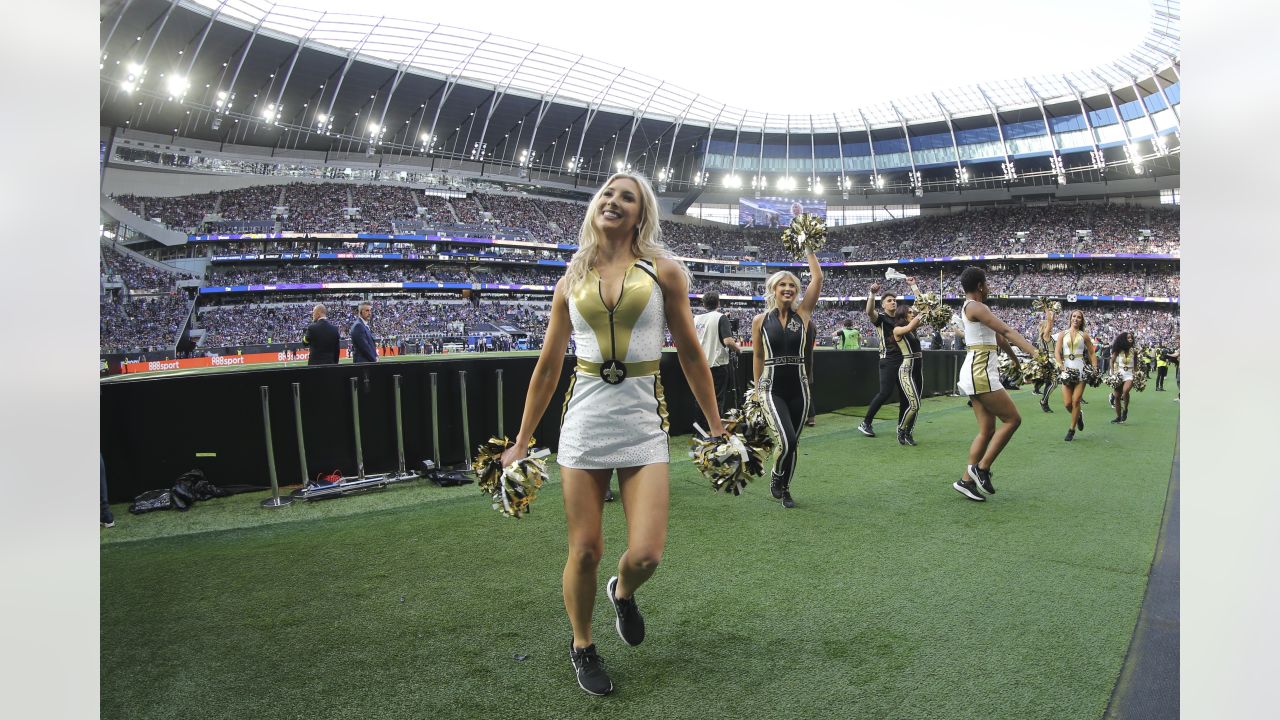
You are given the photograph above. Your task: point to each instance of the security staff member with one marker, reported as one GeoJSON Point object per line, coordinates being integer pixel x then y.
{"type": "Point", "coordinates": [322, 337]}
{"type": "Point", "coordinates": [715, 335]}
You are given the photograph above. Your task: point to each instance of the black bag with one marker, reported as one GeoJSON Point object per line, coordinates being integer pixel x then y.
{"type": "Point", "coordinates": [152, 500]}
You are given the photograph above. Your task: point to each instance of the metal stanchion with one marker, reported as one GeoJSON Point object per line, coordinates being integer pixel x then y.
{"type": "Point", "coordinates": [275, 500]}
{"type": "Point", "coordinates": [355, 422]}
{"type": "Point", "coordinates": [435, 421]}
{"type": "Point", "coordinates": [466, 428]}
{"type": "Point", "coordinates": [500, 426]}
{"type": "Point", "coordinates": [401, 473]}
{"type": "Point", "coordinates": [350, 483]}
{"type": "Point", "coordinates": [302, 445]}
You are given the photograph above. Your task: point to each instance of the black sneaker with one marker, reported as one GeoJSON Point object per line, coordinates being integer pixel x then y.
{"type": "Point", "coordinates": [968, 489]}
{"type": "Point", "coordinates": [590, 670]}
{"type": "Point", "coordinates": [1071, 435]}
{"type": "Point", "coordinates": [865, 428]}
{"type": "Point", "coordinates": [1124, 416]}
{"type": "Point", "coordinates": [775, 489]}
{"type": "Point", "coordinates": [1111, 400]}
{"type": "Point", "coordinates": [1045, 407]}
{"type": "Point", "coordinates": [1080, 421]}
{"type": "Point", "coordinates": [911, 439]}
{"type": "Point", "coordinates": [982, 478]}
{"type": "Point", "coordinates": [787, 502]}
{"type": "Point", "coordinates": [1117, 421]}
{"type": "Point", "coordinates": [608, 495]}
{"type": "Point", "coordinates": [630, 624]}
{"type": "Point", "coordinates": [902, 438]}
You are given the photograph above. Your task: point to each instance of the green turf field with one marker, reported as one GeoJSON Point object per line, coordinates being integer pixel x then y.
{"type": "Point", "coordinates": [885, 594]}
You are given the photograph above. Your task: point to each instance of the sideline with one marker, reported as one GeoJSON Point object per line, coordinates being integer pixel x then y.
{"type": "Point", "coordinates": [1148, 686]}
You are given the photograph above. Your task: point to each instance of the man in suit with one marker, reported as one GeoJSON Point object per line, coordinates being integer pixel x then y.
{"type": "Point", "coordinates": [362, 346]}
{"type": "Point", "coordinates": [322, 338]}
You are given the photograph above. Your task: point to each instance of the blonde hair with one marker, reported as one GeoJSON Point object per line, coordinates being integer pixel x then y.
{"type": "Point", "coordinates": [646, 244]}
{"type": "Point", "coordinates": [770, 285]}
{"type": "Point", "coordinates": [1071, 322]}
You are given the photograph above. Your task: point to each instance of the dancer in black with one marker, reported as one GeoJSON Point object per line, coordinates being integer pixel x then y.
{"type": "Point", "coordinates": [780, 341]}
{"type": "Point", "coordinates": [910, 372]}
{"type": "Point", "coordinates": [890, 353]}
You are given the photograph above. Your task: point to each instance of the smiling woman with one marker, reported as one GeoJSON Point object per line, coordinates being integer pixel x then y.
{"type": "Point", "coordinates": [619, 290]}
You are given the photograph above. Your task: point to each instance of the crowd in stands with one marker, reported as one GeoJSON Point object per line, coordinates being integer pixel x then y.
{"type": "Point", "coordinates": [135, 275]}
{"type": "Point", "coordinates": [142, 323]}
{"type": "Point", "coordinates": [180, 212]}
{"type": "Point", "coordinates": [1081, 280]}
{"type": "Point", "coordinates": [257, 323]}
{"type": "Point", "coordinates": [991, 230]}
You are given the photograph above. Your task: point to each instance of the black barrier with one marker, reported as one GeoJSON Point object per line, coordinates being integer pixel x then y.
{"type": "Point", "coordinates": [155, 428]}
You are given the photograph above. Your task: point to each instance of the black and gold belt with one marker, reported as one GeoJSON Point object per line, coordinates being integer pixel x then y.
{"type": "Point", "coordinates": [784, 360]}
{"type": "Point", "coordinates": [614, 372]}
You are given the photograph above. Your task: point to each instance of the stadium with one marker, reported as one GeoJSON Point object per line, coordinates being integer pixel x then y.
{"type": "Point", "coordinates": [259, 160]}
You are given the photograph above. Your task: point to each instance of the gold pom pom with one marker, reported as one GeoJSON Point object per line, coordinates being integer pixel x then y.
{"type": "Point", "coordinates": [806, 233]}
{"type": "Point", "coordinates": [730, 461]}
{"type": "Point", "coordinates": [1113, 379]}
{"type": "Point", "coordinates": [514, 488]}
{"type": "Point", "coordinates": [1139, 381]}
{"type": "Point", "coordinates": [932, 311]}
{"type": "Point", "coordinates": [1039, 369]}
{"type": "Point", "coordinates": [1010, 374]}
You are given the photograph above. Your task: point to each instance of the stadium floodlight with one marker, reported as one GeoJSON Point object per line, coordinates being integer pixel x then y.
{"type": "Point", "coordinates": [135, 70]}
{"type": "Point", "coordinates": [787, 183]}
{"type": "Point", "coordinates": [877, 181]}
{"type": "Point", "coordinates": [177, 86]}
{"type": "Point", "coordinates": [815, 185]}
{"type": "Point", "coordinates": [127, 86]}
{"type": "Point", "coordinates": [1098, 159]}
{"type": "Point", "coordinates": [962, 175]}
{"type": "Point", "coordinates": [1135, 157]}
{"type": "Point", "coordinates": [847, 183]}
{"type": "Point", "coordinates": [1160, 146]}
{"type": "Point", "coordinates": [1010, 172]}
{"type": "Point", "coordinates": [1055, 165]}
{"type": "Point", "coordinates": [732, 181]}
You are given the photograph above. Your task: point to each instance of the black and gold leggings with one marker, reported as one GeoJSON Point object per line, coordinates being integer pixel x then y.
{"type": "Point", "coordinates": [911, 380]}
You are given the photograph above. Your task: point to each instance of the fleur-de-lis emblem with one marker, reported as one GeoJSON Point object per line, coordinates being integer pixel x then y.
{"type": "Point", "coordinates": [613, 372]}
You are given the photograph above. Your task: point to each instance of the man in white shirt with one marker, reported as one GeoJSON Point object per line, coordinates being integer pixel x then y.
{"type": "Point", "coordinates": [715, 335]}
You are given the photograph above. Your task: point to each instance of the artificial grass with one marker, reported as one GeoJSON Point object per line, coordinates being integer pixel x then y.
{"type": "Point", "coordinates": [885, 594]}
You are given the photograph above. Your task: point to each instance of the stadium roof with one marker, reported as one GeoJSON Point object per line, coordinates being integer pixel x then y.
{"type": "Point", "coordinates": [537, 69]}
{"type": "Point", "coordinates": [247, 72]}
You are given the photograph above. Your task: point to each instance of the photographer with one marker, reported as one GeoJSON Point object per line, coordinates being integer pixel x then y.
{"type": "Point", "coordinates": [715, 335]}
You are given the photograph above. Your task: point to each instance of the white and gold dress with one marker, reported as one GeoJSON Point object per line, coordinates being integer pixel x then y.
{"type": "Point", "coordinates": [615, 414]}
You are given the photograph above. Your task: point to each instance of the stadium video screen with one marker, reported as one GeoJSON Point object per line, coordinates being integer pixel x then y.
{"type": "Point", "coordinates": [777, 212]}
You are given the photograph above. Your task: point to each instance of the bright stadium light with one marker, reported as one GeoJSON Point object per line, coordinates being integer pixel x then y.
{"type": "Point", "coordinates": [1055, 165]}
{"type": "Point", "coordinates": [127, 86]}
{"type": "Point", "coordinates": [177, 86]}
{"type": "Point", "coordinates": [962, 175]}
{"type": "Point", "coordinates": [1098, 159]}
{"type": "Point", "coordinates": [374, 128]}
{"type": "Point", "coordinates": [1160, 146]}
{"type": "Point", "coordinates": [1010, 172]}
{"type": "Point", "coordinates": [1134, 156]}
{"type": "Point", "coordinates": [732, 181]}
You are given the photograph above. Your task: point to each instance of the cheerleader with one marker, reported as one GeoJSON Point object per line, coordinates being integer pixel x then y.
{"type": "Point", "coordinates": [780, 341]}
{"type": "Point", "coordinates": [1123, 362]}
{"type": "Point", "coordinates": [1074, 346]}
{"type": "Point", "coordinates": [1046, 346]}
{"type": "Point", "coordinates": [618, 289]}
{"type": "Point", "coordinates": [984, 334]}
{"type": "Point", "coordinates": [911, 372]}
